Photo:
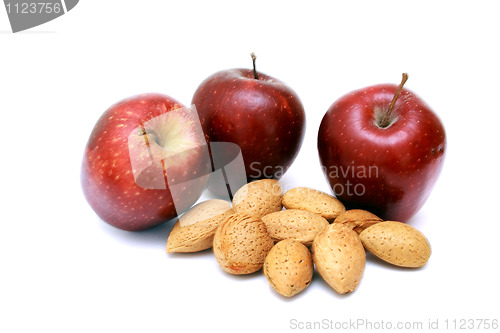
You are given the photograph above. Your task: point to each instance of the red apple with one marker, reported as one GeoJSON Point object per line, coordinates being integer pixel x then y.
{"type": "Point", "coordinates": [382, 149]}
{"type": "Point", "coordinates": [145, 162]}
{"type": "Point", "coordinates": [258, 113]}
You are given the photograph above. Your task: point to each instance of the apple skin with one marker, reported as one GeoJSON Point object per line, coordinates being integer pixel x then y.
{"type": "Point", "coordinates": [401, 162]}
{"type": "Point", "coordinates": [140, 198]}
{"type": "Point", "coordinates": [263, 116]}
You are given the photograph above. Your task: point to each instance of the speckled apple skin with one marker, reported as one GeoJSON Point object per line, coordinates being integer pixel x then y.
{"type": "Point", "coordinates": [408, 155]}
{"type": "Point", "coordinates": [264, 117]}
{"type": "Point", "coordinates": [107, 177]}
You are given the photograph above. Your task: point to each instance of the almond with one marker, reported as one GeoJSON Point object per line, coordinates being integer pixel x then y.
{"type": "Point", "coordinates": [288, 267]}
{"type": "Point", "coordinates": [357, 219]}
{"type": "Point", "coordinates": [397, 243]}
{"type": "Point", "coordinates": [241, 244]}
{"type": "Point", "coordinates": [195, 229]}
{"type": "Point", "coordinates": [259, 197]}
{"type": "Point", "coordinates": [339, 257]}
{"type": "Point", "coordinates": [313, 201]}
{"type": "Point", "coordinates": [300, 225]}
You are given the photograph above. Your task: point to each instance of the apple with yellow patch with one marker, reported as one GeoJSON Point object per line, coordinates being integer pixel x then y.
{"type": "Point", "coordinates": [146, 161]}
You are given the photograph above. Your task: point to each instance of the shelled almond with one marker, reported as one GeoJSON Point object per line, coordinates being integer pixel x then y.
{"type": "Point", "coordinates": [314, 201]}
{"type": "Point", "coordinates": [397, 243]}
{"type": "Point", "coordinates": [297, 224]}
{"type": "Point", "coordinates": [259, 198]}
{"type": "Point", "coordinates": [289, 267]}
{"type": "Point", "coordinates": [357, 219]}
{"type": "Point", "coordinates": [195, 230]}
{"type": "Point", "coordinates": [339, 257]}
{"type": "Point", "coordinates": [241, 243]}
{"type": "Point", "coordinates": [243, 237]}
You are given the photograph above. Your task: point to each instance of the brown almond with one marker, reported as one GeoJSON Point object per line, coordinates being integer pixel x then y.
{"type": "Point", "coordinates": [288, 267]}
{"type": "Point", "coordinates": [339, 257]}
{"type": "Point", "coordinates": [259, 197]}
{"type": "Point", "coordinates": [313, 201]}
{"type": "Point", "coordinates": [195, 229]}
{"type": "Point", "coordinates": [241, 244]}
{"type": "Point", "coordinates": [300, 225]}
{"type": "Point", "coordinates": [397, 243]}
{"type": "Point", "coordinates": [357, 219]}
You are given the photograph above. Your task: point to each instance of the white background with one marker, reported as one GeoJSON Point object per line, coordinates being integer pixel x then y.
{"type": "Point", "coordinates": [64, 270]}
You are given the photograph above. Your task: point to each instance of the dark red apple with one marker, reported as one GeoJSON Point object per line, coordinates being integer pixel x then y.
{"type": "Point", "coordinates": [258, 113]}
{"type": "Point", "coordinates": [145, 162]}
{"type": "Point", "coordinates": [382, 149]}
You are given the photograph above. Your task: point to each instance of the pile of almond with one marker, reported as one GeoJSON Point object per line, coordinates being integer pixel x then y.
{"type": "Point", "coordinates": [314, 230]}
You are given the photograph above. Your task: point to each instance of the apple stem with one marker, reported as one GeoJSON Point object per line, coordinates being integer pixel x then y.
{"type": "Point", "coordinates": [386, 120]}
{"type": "Point", "coordinates": [143, 131]}
{"type": "Point", "coordinates": [255, 74]}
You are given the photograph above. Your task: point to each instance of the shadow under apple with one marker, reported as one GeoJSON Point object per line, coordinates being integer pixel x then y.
{"type": "Point", "coordinates": [153, 237]}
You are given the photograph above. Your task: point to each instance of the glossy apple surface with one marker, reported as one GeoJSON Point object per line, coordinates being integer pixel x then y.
{"type": "Point", "coordinates": [263, 116]}
{"type": "Point", "coordinates": [144, 162]}
{"type": "Point", "coordinates": [388, 169]}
